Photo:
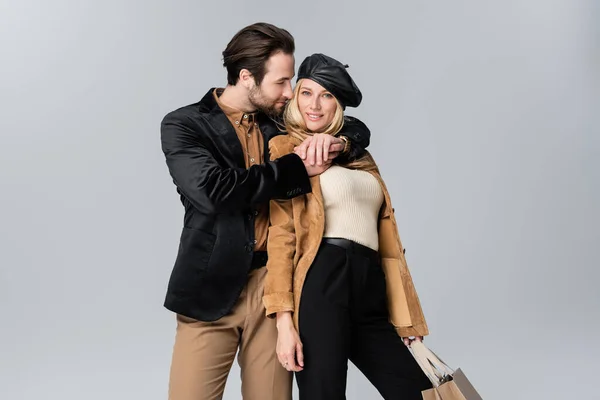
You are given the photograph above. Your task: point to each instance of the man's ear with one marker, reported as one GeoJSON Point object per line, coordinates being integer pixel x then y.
{"type": "Point", "coordinates": [246, 78]}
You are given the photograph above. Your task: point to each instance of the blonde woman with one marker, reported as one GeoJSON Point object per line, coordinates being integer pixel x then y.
{"type": "Point", "coordinates": [335, 255]}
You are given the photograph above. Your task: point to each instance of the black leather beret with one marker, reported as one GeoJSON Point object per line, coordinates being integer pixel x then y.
{"type": "Point", "coordinates": [332, 75]}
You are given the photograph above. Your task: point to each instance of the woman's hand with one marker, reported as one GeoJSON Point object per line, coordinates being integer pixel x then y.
{"type": "Point", "coordinates": [408, 341]}
{"type": "Point", "coordinates": [289, 346]}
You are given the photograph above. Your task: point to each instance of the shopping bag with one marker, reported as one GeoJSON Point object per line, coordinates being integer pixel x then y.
{"type": "Point", "coordinates": [448, 384]}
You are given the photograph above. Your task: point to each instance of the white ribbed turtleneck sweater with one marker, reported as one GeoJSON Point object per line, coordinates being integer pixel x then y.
{"type": "Point", "coordinates": [352, 200]}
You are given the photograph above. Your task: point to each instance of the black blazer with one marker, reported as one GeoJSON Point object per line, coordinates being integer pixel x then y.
{"type": "Point", "coordinates": [206, 161]}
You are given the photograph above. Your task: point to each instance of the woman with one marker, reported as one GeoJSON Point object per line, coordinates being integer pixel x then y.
{"type": "Point", "coordinates": [328, 253]}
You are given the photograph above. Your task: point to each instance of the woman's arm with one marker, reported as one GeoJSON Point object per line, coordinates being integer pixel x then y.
{"type": "Point", "coordinates": [404, 306]}
{"type": "Point", "coordinates": [279, 294]}
{"type": "Point", "coordinates": [289, 347]}
{"type": "Point", "coordinates": [281, 247]}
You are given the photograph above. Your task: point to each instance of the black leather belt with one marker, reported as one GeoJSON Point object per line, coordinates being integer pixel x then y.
{"type": "Point", "coordinates": [352, 247]}
{"type": "Point", "coordinates": [259, 260]}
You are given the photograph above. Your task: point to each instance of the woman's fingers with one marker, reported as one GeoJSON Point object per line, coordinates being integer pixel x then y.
{"type": "Point", "coordinates": [408, 341]}
{"type": "Point", "coordinates": [300, 354]}
{"type": "Point", "coordinates": [289, 349]}
{"type": "Point", "coordinates": [290, 363]}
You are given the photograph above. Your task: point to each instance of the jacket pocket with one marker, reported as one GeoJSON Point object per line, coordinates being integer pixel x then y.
{"type": "Point", "coordinates": [195, 251]}
{"type": "Point", "coordinates": [197, 245]}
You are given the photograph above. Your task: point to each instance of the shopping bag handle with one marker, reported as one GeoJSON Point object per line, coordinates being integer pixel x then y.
{"type": "Point", "coordinates": [437, 362]}
{"type": "Point", "coordinates": [434, 368]}
{"type": "Point", "coordinates": [428, 369]}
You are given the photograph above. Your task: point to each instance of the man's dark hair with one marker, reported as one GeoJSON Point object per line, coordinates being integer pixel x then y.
{"type": "Point", "coordinates": [252, 46]}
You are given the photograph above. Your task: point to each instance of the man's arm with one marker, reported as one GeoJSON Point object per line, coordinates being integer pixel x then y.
{"type": "Point", "coordinates": [349, 145]}
{"type": "Point", "coordinates": [208, 186]}
{"type": "Point", "coordinates": [358, 138]}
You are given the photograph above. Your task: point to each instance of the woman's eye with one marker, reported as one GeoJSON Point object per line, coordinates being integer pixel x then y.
{"type": "Point", "coordinates": [328, 95]}
{"type": "Point", "coordinates": [305, 93]}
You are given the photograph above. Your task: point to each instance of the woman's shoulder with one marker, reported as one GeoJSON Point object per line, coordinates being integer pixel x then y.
{"type": "Point", "coordinates": [282, 145]}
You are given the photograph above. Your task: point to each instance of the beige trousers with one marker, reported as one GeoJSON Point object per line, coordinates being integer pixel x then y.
{"type": "Point", "coordinates": [204, 352]}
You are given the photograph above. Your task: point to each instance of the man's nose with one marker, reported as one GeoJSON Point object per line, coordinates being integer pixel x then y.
{"type": "Point", "coordinates": [287, 91]}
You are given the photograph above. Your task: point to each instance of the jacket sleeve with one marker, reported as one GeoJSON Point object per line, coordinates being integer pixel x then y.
{"type": "Point", "coordinates": [359, 136]}
{"type": "Point", "coordinates": [209, 186]}
{"type": "Point", "coordinates": [281, 247]}
{"type": "Point", "coordinates": [404, 306]}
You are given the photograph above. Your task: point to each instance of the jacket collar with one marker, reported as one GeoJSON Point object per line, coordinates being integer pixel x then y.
{"type": "Point", "coordinates": [209, 106]}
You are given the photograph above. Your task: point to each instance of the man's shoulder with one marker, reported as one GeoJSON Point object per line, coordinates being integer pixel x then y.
{"type": "Point", "coordinates": [185, 121]}
{"type": "Point", "coordinates": [191, 110]}
{"type": "Point", "coordinates": [198, 110]}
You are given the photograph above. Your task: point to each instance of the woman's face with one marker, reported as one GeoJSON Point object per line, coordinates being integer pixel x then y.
{"type": "Point", "coordinates": [316, 104]}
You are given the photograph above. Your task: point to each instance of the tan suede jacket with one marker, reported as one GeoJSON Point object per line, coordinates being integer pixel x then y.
{"type": "Point", "coordinates": [294, 238]}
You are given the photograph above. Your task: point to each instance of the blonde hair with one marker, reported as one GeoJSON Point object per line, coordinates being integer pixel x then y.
{"type": "Point", "coordinates": [296, 127]}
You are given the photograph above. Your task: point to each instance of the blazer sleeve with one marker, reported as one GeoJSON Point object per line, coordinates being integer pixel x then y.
{"type": "Point", "coordinates": [211, 187]}
{"type": "Point", "coordinates": [359, 136]}
{"type": "Point", "coordinates": [281, 247]}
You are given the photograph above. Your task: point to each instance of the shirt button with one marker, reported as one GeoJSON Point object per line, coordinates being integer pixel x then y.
{"type": "Point", "coordinates": [255, 241]}
{"type": "Point", "coordinates": [256, 212]}
{"type": "Point", "coordinates": [245, 116]}
{"type": "Point", "coordinates": [237, 122]}
{"type": "Point", "coordinates": [252, 160]}
{"type": "Point", "coordinates": [249, 135]}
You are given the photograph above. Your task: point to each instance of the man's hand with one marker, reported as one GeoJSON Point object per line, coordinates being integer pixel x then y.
{"type": "Point", "coordinates": [319, 148]}
{"type": "Point", "coordinates": [289, 346]}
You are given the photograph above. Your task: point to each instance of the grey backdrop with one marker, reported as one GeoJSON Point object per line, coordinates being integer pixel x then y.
{"type": "Point", "coordinates": [485, 123]}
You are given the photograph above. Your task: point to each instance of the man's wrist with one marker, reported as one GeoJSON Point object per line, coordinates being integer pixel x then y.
{"type": "Point", "coordinates": [346, 144]}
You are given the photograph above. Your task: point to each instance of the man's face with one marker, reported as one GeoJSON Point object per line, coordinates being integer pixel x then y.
{"type": "Point", "coordinates": [275, 90]}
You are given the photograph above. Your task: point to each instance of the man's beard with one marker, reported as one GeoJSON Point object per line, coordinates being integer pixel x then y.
{"type": "Point", "coordinates": [256, 99]}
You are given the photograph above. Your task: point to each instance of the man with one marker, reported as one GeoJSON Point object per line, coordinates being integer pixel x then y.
{"type": "Point", "coordinates": [216, 151]}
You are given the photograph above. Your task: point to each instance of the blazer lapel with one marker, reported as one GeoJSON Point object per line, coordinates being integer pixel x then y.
{"type": "Point", "coordinates": [227, 141]}
{"type": "Point", "coordinates": [269, 129]}
{"type": "Point", "coordinates": [231, 147]}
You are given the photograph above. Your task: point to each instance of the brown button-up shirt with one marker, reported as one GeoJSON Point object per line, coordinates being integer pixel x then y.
{"type": "Point", "coordinates": [252, 141]}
